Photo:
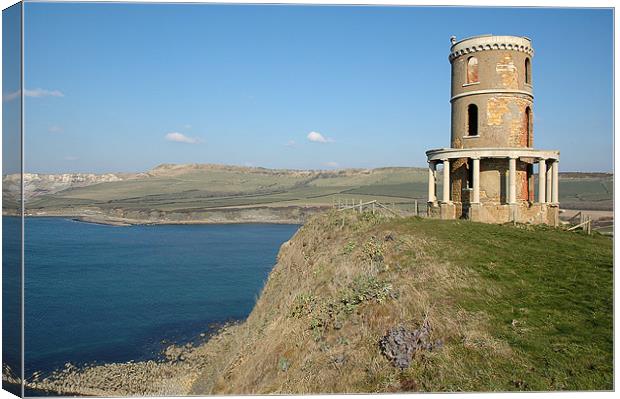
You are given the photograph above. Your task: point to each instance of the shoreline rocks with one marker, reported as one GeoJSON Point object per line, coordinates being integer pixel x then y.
{"type": "Point", "coordinates": [170, 374]}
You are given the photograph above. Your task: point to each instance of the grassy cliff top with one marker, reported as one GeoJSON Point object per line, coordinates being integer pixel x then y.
{"type": "Point", "coordinates": [510, 307]}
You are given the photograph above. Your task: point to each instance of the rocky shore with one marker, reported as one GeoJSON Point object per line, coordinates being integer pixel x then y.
{"type": "Point", "coordinates": [170, 375]}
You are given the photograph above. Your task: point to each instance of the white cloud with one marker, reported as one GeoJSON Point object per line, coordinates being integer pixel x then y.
{"type": "Point", "coordinates": [55, 129]}
{"type": "Point", "coordinates": [43, 93]}
{"type": "Point", "coordinates": [317, 137]}
{"type": "Point", "coordinates": [290, 143]}
{"type": "Point", "coordinates": [187, 126]}
{"type": "Point", "coordinates": [33, 93]}
{"type": "Point", "coordinates": [331, 164]}
{"type": "Point", "coordinates": [181, 138]}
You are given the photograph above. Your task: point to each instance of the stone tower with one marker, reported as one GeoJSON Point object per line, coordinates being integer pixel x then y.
{"type": "Point", "coordinates": [488, 171]}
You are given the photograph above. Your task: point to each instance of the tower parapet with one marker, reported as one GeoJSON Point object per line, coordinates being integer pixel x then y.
{"type": "Point", "coordinates": [490, 162]}
{"type": "Point", "coordinates": [489, 42]}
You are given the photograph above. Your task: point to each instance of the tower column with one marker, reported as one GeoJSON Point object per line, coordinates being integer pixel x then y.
{"type": "Point", "coordinates": [512, 178]}
{"type": "Point", "coordinates": [446, 181]}
{"type": "Point", "coordinates": [556, 182]}
{"type": "Point", "coordinates": [476, 181]}
{"type": "Point", "coordinates": [432, 181]}
{"type": "Point", "coordinates": [549, 181]}
{"type": "Point", "coordinates": [542, 169]}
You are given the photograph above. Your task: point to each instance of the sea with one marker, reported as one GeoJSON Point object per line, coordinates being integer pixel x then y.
{"type": "Point", "coordinates": [98, 294]}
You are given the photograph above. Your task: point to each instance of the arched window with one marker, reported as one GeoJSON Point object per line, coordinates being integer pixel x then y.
{"type": "Point", "coordinates": [472, 70]}
{"type": "Point", "coordinates": [528, 71]}
{"type": "Point", "coordinates": [528, 126]}
{"type": "Point", "coordinates": [472, 120]}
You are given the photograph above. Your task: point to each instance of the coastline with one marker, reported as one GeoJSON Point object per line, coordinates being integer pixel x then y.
{"type": "Point", "coordinates": [129, 222]}
{"type": "Point", "coordinates": [246, 215]}
{"type": "Point", "coordinates": [171, 373]}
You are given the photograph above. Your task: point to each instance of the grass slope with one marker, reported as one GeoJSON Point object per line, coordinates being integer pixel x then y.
{"type": "Point", "coordinates": [519, 308]}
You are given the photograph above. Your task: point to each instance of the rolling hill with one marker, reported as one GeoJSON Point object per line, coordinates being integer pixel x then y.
{"type": "Point", "coordinates": [199, 193]}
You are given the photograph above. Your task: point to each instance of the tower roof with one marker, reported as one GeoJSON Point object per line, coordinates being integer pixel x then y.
{"type": "Point", "coordinates": [490, 42]}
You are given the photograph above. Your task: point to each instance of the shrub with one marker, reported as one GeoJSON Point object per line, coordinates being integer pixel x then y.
{"type": "Point", "coordinates": [374, 251]}
{"type": "Point", "coordinates": [303, 305]}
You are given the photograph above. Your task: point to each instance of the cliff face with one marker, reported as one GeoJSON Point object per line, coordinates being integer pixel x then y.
{"type": "Point", "coordinates": [36, 184]}
{"type": "Point", "coordinates": [341, 285]}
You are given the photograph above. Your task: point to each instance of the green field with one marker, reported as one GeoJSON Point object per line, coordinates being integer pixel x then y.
{"type": "Point", "coordinates": [208, 189]}
{"type": "Point", "coordinates": [589, 192]}
{"type": "Point", "coordinates": [205, 187]}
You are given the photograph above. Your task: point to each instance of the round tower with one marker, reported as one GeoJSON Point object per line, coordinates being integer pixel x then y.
{"type": "Point", "coordinates": [489, 167]}
{"type": "Point", "coordinates": [492, 92]}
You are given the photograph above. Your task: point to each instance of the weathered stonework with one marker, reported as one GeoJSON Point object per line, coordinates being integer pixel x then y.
{"type": "Point", "coordinates": [491, 158]}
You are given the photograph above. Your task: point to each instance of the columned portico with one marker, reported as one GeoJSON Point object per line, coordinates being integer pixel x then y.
{"type": "Point", "coordinates": [556, 182]}
{"type": "Point", "coordinates": [542, 179]}
{"type": "Point", "coordinates": [549, 184]}
{"type": "Point", "coordinates": [517, 161]}
{"type": "Point", "coordinates": [432, 181]}
{"type": "Point", "coordinates": [476, 181]}
{"type": "Point", "coordinates": [512, 178]}
{"type": "Point", "coordinates": [446, 181]}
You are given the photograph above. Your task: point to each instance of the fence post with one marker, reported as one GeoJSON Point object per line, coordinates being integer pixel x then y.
{"type": "Point", "coordinates": [584, 227]}
{"type": "Point", "coordinates": [360, 206]}
{"type": "Point", "coordinates": [416, 208]}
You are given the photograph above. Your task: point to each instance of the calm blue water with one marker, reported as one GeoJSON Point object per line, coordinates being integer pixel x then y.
{"type": "Point", "coordinates": [104, 293]}
{"type": "Point", "coordinates": [11, 299]}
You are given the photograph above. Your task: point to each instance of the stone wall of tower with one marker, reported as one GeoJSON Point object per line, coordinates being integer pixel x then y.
{"type": "Point", "coordinates": [501, 95]}
{"type": "Point", "coordinates": [501, 122]}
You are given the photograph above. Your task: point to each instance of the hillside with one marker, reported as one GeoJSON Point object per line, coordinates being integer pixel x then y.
{"type": "Point", "coordinates": [478, 308]}
{"type": "Point", "coordinates": [221, 193]}
{"type": "Point", "coordinates": [203, 193]}
{"type": "Point", "coordinates": [516, 309]}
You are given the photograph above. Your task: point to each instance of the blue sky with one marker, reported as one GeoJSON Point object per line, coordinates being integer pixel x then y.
{"type": "Point", "coordinates": [11, 77]}
{"type": "Point", "coordinates": [125, 87]}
